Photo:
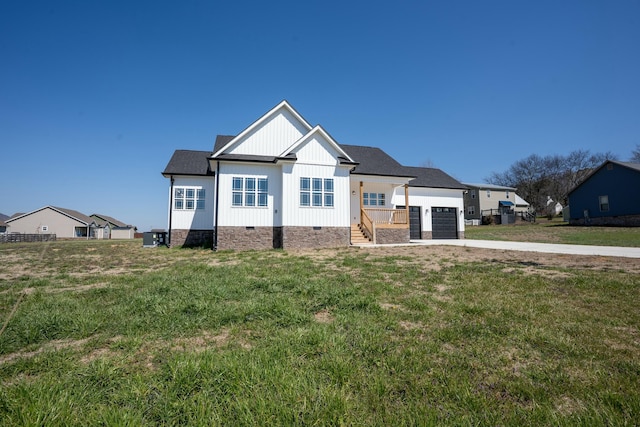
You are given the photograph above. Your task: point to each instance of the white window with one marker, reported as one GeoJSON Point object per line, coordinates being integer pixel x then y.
{"type": "Point", "coordinates": [507, 192]}
{"type": "Point", "coordinates": [471, 210]}
{"type": "Point", "coordinates": [373, 199]}
{"type": "Point", "coordinates": [187, 198]}
{"type": "Point", "coordinates": [473, 194]}
{"type": "Point", "coordinates": [604, 203]}
{"type": "Point", "coordinates": [316, 192]}
{"type": "Point", "coordinates": [45, 228]}
{"type": "Point", "coordinates": [249, 191]}
{"type": "Point", "coordinates": [488, 193]}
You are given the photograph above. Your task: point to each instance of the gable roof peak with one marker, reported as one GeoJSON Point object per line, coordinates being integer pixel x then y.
{"type": "Point", "coordinates": [317, 129]}
{"type": "Point", "coordinates": [268, 115]}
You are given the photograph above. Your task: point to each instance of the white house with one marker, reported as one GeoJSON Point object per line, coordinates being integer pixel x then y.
{"type": "Point", "coordinates": [283, 183]}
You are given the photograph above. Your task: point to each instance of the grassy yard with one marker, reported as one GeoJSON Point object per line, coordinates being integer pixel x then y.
{"type": "Point", "coordinates": [110, 333]}
{"type": "Point", "coordinates": [557, 231]}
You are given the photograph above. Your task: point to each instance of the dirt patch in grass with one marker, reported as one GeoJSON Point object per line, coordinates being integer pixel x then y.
{"type": "Point", "coordinates": [56, 345]}
{"type": "Point", "coordinates": [323, 316]}
{"type": "Point", "coordinates": [437, 257]}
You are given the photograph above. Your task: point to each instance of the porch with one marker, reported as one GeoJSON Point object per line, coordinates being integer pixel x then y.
{"type": "Point", "coordinates": [382, 225]}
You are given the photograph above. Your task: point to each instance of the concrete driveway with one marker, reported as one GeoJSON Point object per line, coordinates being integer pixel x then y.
{"type": "Point", "coordinates": [551, 248]}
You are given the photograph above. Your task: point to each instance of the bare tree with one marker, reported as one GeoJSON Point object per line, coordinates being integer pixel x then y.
{"type": "Point", "coordinates": [635, 154]}
{"type": "Point", "coordinates": [539, 178]}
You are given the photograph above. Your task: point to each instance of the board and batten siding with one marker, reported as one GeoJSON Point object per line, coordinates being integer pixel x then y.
{"type": "Point", "coordinates": [194, 219]}
{"type": "Point", "coordinates": [316, 158]}
{"type": "Point", "coordinates": [296, 215]}
{"type": "Point", "coordinates": [249, 216]}
{"type": "Point", "coordinates": [271, 138]}
{"type": "Point", "coordinates": [428, 198]}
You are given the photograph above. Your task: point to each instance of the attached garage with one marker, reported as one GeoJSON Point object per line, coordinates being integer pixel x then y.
{"type": "Point", "coordinates": [444, 223]}
{"type": "Point", "coordinates": [435, 205]}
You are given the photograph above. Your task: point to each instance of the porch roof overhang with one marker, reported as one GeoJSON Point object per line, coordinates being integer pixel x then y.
{"type": "Point", "coordinates": [505, 203]}
{"type": "Point", "coordinates": [382, 179]}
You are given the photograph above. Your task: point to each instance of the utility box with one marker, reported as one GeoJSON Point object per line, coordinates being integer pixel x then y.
{"type": "Point", "coordinates": [153, 238]}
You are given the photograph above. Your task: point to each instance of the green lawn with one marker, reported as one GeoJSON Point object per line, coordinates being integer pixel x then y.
{"type": "Point", "coordinates": [556, 231]}
{"type": "Point", "coordinates": [108, 333]}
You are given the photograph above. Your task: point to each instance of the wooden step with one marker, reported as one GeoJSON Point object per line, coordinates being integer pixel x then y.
{"type": "Point", "coordinates": [358, 237]}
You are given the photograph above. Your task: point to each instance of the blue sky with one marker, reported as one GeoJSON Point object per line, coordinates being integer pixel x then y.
{"type": "Point", "coordinates": [96, 95]}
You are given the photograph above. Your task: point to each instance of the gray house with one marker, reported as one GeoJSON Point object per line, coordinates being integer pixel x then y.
{"type": "Point", "coordinates": [64, 223]}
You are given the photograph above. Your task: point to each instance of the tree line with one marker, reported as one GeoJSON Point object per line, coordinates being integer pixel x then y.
{"type": "Point", "coordinates": [540, 178]}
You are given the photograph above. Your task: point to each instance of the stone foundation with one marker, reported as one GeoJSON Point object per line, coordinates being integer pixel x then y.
{"type": "Point", "coordinates": [619, 221]}
{"type": "Point", "coordinates": [191, 238]}
{"type": "Point", "coordinates": [315, 237]}
{"type": "Point", "coordinates": [428, 235]}
{"type": "Point", "coordinates": [386, 236]}
{"type": "Point", "coordinates": [246, 238]}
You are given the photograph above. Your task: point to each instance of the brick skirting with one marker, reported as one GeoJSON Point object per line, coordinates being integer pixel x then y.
{"type": "Point", "coordinates": [386, 236]}
{"type": "Point", "coordinates": [191, 238]}
{"type": "Point", "coordinates": [246, 238]}
{"type": "Point", "coordinates": [428, 235]}
{"type": "Point", "coordinates": [315, 237]}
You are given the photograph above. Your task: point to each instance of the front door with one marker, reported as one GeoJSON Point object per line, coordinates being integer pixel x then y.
{"type": "Point", "coordinates": [415, 222]}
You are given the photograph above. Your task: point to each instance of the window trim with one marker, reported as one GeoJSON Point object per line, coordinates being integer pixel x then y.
{"type": "Point", "coordinates": [374, 199]}
{"type": "Point", "coordinates": [189, 198]}
{"type": "Point", "coordinates": [315, 192]}
{"type": "Point", "coordinates": [601, 204]}
{"type": "Point", "coordinates": [250, 191]}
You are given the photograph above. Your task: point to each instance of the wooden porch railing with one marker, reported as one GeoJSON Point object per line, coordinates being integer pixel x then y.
{"type": "Point", "coordinates": [372, 218]}
{"type": "Point", "coordinates": [367, 224]}
{"type": "Point", "coordinates": [386, 216]}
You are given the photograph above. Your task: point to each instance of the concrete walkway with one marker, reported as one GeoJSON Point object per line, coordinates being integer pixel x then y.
{"type": "Point", "coordinates": [550, 248]}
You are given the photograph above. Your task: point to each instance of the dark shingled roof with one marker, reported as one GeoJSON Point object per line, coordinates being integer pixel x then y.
{"type": "Point", "coordinates": [105, 218]}
{"type": "Point", "coordinates": [221, 141]}
{"type": "Point", "coordinates": [433, 178]}
{"type": "Point", "coordinates": [374, 161]}
{"type": "Point", "coordinates": [189, 162]}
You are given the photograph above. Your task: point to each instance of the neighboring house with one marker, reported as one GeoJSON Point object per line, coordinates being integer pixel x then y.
{"type": "Point", "coordinates": [554, 208]}
{"type": "Point", "coordinates": [117, 229]}
{"type": "Point", "coordinates": [64, 223]}
{"type": "Point", "coordinates": [610, 195]}
{"type": "Point", "coordinates": [3, 225]}
{"type": "Point", "coordinates": [522, 205]}
{"type": "Point", "coordinates": [496, 201]}
{"type": "Point", "coordinates": [282, 183]}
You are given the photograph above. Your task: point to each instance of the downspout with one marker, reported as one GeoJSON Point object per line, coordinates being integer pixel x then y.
{"type": "Point", "coordinates": [170, 211]}
{"type": "Point", "coordinates": [215, 215]}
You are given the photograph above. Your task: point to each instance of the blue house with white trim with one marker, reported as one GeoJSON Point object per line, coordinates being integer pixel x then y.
{"type": "Point", "coordinates": [609, 196]}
